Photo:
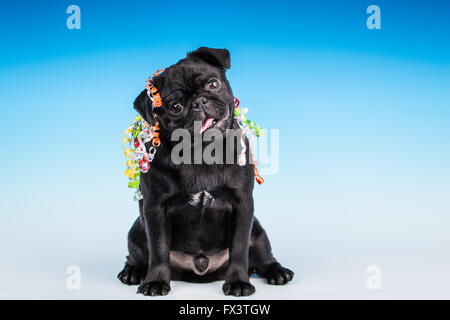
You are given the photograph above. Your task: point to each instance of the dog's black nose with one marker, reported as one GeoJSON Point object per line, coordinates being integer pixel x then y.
{"type": "Point", "coordinates": [199, 102]}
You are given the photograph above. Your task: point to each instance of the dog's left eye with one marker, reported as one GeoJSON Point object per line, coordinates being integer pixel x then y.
{"type": "Point", "coordinates": [212, 84]}
{"type": "Point", "coordinates": [176, 108]}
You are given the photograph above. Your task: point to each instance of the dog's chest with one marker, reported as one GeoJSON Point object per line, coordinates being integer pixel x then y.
{"type": "Point", "coordinates": [196, 178]}
{"type": "Point", "coordinates": [201, 199]}
{"type": "Point", "coordinates": [205, 186]}
{"type": "Point", "coordinates": [200, 210]}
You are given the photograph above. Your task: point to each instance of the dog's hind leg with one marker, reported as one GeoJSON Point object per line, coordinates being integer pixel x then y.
{"type": "Point", "coordinates": [261, 259]}
{"type": "Point", "coordinates": [136, 266]}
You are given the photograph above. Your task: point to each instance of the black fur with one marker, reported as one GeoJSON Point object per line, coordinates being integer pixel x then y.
{"type": "Point", "coordinates": [168, 222]}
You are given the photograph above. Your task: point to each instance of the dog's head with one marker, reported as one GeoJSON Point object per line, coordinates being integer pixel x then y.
{"type": "Point", "coordinates": [195, 94]}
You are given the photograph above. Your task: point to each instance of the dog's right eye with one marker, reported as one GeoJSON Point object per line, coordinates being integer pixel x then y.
{"type": "Point", "coordinates": [176, 108]}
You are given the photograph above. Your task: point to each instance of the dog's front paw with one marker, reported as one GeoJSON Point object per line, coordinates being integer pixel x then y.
{"type": "Point", "coordinates": [277, 274]}
{"type": "Point", "coordinates": [154, 288]}
{"type": "Point", "coordinates": [238, 288]}
{"type": "Point", "coordinates": [131, 275]}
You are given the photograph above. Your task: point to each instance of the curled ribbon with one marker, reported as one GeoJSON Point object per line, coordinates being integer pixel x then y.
{"type": "Point", "coordinates": [136, 136]}
{"type": "Point", "coordinates": [247, 126]}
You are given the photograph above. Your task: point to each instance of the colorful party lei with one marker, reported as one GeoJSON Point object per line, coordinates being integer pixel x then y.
{"type": "Point", "coordinates": [140, 132]}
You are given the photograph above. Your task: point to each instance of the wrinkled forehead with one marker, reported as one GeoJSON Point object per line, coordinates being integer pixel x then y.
{"type": "Point", "coordinates": [189, 77]}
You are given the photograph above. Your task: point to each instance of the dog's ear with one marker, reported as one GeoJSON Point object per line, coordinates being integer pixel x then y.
{"type": "Point", "coordinates": [143, 105]}
{"type": "Point", "coordinates": [217, 57]}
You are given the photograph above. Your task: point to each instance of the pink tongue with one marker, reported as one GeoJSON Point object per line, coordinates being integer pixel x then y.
{"type": "Point", "coordinates": [208, 123]}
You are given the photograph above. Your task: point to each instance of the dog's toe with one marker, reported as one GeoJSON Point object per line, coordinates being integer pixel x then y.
{"type": "Point", "coordinates": [278, 275]}
{"type": "Point", "coordinates": [238, 288]}
{"type": "Point", "coordinates": [154, 288]}
{"type": "Point", "coordinates": [130, 275]}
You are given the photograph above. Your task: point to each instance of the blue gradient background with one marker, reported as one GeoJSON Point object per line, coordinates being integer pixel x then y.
{"type": "Point", "coordinates": [364, 134]}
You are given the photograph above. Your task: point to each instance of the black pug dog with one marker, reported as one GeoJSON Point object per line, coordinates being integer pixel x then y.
{"type": "Point", "coordinates": [196, 221]}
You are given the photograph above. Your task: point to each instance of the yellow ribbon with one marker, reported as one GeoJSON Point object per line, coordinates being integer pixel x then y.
{"type": "Point", "coordinates": [128, 153]}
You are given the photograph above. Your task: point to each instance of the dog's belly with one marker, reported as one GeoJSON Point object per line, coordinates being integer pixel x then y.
{"type": "Point", "coordinates": [200, 264]}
